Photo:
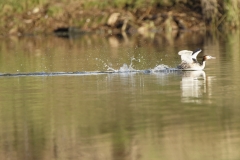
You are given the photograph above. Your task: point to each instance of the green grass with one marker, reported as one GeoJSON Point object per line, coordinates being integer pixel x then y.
{"type": "Point", "coordinates": [54, 10]}
{"type": "Point", "coordinates": [232, 13]}
{"type": "Point", "coordinates": [21, 5]}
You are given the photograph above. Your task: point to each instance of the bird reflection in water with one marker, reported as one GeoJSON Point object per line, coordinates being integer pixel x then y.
{"type": "Point", "coordinates": [194, 86]}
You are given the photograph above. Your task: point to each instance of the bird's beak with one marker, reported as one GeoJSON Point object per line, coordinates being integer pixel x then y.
{"type": "Point", "coordinates": [212, 57]}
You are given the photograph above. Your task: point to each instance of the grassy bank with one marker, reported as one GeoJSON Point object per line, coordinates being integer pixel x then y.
{"type": "Point", "coordinates": [45, 15]}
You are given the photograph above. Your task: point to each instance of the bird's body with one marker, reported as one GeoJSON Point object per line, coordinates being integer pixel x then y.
{"type": "Point", "coordinates": [189, 60]}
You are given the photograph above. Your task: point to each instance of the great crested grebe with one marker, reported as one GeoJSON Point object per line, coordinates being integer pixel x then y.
{"type": "Point", "coordinates": [189, 60]}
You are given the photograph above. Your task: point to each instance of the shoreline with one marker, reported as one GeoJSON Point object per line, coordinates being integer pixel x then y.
{"type": "Point", "coordinates": [74, 18]}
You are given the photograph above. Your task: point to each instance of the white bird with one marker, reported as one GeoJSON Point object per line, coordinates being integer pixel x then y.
{"type": "Point", "coordinates": [189, 60]}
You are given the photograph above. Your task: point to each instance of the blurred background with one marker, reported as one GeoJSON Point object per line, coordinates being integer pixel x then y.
{"type": "Point", "coordinates": [129, 115]}
{"type": "Point", "coordinates": [116, 16]}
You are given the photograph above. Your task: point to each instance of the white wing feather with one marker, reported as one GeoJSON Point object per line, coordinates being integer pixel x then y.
{"type": "Point", "coordinates": [188, 56]}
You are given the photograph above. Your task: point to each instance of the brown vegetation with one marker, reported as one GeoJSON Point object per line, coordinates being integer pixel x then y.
{"type": "Point", "coordinates": [75, 17]}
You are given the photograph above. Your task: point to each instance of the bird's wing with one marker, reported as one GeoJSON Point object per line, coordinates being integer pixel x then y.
{"type": "Point", "coordinates": [195, 53]}
{"type": "Point", "coordinates": [186, 56]}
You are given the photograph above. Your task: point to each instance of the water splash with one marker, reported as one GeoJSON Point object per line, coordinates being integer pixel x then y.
{"type": "Point", "coordinates": [163, 68]}
{"type": "Point", "coordinates": [103, 62]}
{"type": "Point", "coordinates": [125, 67]}
{"type": "Point", "coordinates": [111, 69]}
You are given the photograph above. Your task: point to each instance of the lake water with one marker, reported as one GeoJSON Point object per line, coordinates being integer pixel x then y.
{"type": "Point", "coordinates": [110, 116]}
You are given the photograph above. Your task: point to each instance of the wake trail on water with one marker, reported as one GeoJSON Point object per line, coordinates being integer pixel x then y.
{"type": "Point", "coordinates": [123, 69]}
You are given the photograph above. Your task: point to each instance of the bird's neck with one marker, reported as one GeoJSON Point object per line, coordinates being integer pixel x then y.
{"type": "Point", "coordinates": [203, 63]}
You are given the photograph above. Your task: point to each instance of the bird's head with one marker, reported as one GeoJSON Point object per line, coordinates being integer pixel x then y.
{"type": "Point", "coordinates": [207, 57]}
